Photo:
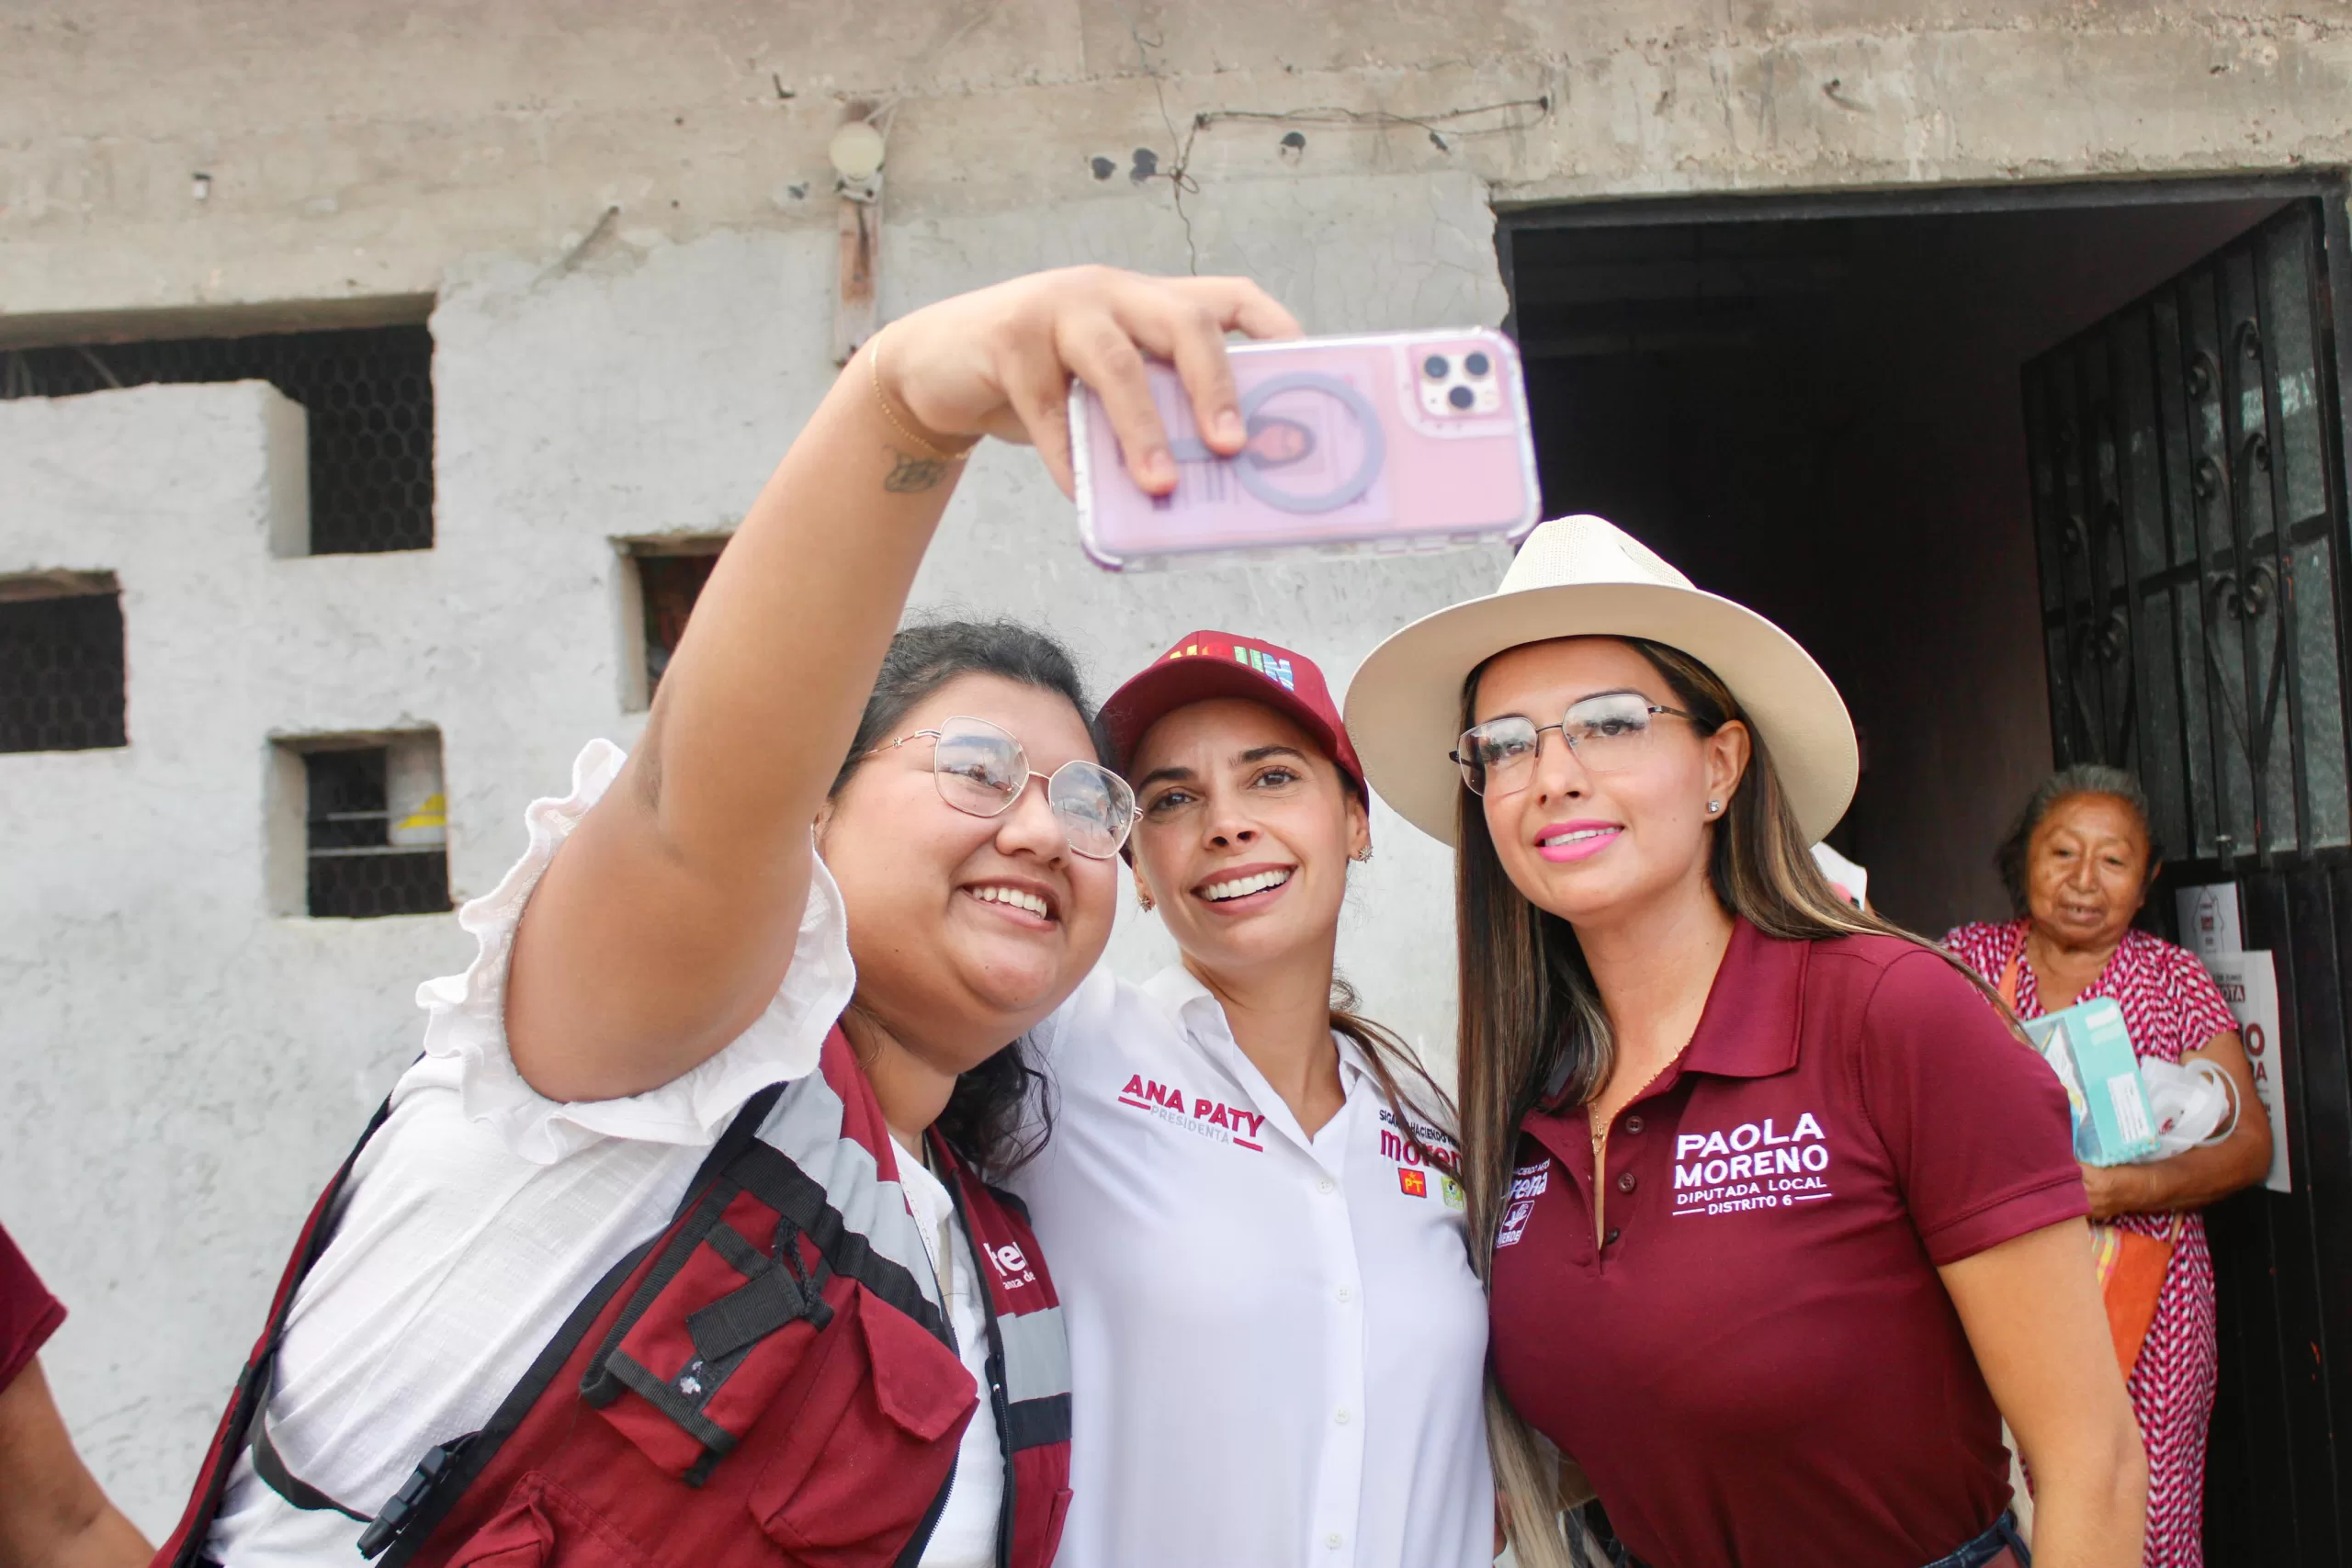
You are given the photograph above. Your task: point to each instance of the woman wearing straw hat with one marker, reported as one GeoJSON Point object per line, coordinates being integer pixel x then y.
{"type": "Point", "coordinates": [1779, 1219]}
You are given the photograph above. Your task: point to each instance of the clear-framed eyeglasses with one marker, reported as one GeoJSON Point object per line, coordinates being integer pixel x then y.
{"type": "Point", "coordinates": [1608, 734]}
{"type": "Point", "coordinates": [982, 770]}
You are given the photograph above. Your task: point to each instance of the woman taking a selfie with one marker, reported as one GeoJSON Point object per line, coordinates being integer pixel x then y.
{"type": "Point", "coordinates": [697, 1137]}
{"type": "Point", "coordinates": [1783, 1219]}
{"type": "Point", "coordinates": [1277, 1341]}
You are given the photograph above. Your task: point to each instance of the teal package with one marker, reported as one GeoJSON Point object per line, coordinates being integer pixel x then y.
{"type": "Point", "coordinates": [2089, 1049]}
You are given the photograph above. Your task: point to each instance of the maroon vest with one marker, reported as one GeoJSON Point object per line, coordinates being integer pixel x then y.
{"type": "Point", "coordinates": [770, 1380]}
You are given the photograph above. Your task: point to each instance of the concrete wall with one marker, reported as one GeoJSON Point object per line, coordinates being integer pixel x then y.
{"type": "Point", "coordinates": [176, 1062]}
{"type": "Point", "coordinates": [179, 1066]}
{"type": "Point", "coordinates": [354, 151]}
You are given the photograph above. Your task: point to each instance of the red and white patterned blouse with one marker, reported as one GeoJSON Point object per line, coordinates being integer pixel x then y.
{"type": "Point", "coordinates": [2172, 1007]}
{"type": "Point", "coordinates": [2170, 1004]}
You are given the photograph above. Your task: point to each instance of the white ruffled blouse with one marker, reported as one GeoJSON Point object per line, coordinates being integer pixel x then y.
{"type": "Point", "coordinates": [482, 1212]}
{"type": "Point", "coordinates": [465, 1026]}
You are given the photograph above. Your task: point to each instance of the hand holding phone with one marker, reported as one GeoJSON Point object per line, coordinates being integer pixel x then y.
{"type": "Point", "coordinates": [1391, 443]}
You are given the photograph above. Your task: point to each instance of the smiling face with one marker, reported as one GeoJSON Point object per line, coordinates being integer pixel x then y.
{"type": "Point", "coordinates": [966, 929]}
{"type": "Point", "coordinates": [1592, 847]}
{"type": "Point", "coordinates": [1245, 837]}
{"type": "Point", "coordinates": [2087, 871]}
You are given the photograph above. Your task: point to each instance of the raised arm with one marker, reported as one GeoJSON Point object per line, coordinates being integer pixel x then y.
{"type": "Point", "coordinates": [52, 1513]}
{"type": "Point", "coordinates": [665, 923]}
{"type": "Point", "coordinates": [2033, 1316]}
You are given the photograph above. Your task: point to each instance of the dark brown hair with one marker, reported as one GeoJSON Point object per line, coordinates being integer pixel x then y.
{"type": "Point", "coordinates": [1393, 1062]}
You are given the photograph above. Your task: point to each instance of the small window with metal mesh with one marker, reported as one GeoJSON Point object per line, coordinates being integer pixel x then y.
{"type": "Point", "coordinates": [61, 663]}
{"type": "Point", "coordinates": [368, 393]}
{"type": "Point", "coordinates": [669, 575]}
{"type": "Point", "coordinates": [375, 828]}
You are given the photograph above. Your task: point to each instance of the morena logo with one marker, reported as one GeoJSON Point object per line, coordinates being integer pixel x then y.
{"type": "Point", "coordinates": [1393, 1146]}
{"type": "Point", "coordinates": [1528, 1183]}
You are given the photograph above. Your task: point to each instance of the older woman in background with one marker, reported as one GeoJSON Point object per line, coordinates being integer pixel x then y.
{"type": "Point", "coordinates": [2078, 865]}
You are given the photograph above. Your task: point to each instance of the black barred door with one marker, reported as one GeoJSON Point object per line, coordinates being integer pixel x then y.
{"type": "Point", "coordinates": [2188, 484]}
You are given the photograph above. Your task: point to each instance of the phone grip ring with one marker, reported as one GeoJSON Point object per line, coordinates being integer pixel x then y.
{"type": "Point", "coordinates": [1254, 477]}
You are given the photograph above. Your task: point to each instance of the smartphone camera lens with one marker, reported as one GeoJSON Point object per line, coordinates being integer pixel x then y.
{"type": "Point", "coordinates": [1476, 364]}
{"type": "Point", "coordinates": [1462, 397]}
{"type": "Point", "coordinates": [1435, 367]}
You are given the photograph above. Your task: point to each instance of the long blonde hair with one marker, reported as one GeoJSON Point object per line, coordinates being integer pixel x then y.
{"type": "Point", "coordinates": [1532, 1017]}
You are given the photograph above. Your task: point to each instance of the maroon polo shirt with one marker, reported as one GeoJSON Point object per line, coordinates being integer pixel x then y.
{"type": "Point", "coordinates": [28, 1313]}
{"type": "Point", "coordinates": [1760, 1365]}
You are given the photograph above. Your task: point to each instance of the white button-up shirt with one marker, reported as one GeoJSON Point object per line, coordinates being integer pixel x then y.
{"type": "Point", "coordinates": [1276, 1340]}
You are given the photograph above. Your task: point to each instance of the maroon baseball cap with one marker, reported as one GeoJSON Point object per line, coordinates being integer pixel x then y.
{"type": "Point", "coordinates": [1210, 664]}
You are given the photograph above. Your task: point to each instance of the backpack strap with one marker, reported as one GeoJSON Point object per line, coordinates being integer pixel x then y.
{"type": "Point", "coordinates": [442, 1476]}
{"type": "Point", "coordinates": [186, 1544]}
{"type": "Point", "coordinates": [270, 1466]}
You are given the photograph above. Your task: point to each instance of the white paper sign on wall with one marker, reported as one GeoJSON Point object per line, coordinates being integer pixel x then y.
{"type": "Point", "coordinates": [2249, 982]}
{"type": "Point", "coordinates": [2208, 919]}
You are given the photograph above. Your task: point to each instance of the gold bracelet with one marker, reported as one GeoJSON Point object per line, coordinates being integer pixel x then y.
{"type": "Point", "coordinates": [926, 448]}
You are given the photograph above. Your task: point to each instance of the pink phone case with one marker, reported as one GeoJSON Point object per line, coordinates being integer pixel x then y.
{"type": "Point", "coordinates": [1386, 443]}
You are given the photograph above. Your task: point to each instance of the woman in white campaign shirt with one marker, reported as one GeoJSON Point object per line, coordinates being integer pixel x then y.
{"type": "Point", "coordinates": [926, 854]}
{"type": "Point", "coordinates": [1277, 1341]}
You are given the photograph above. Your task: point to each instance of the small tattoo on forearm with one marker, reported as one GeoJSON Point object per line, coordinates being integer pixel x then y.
{"type": "Point", "coordinates": [911, 474]}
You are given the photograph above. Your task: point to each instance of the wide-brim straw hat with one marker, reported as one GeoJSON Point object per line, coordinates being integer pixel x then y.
{"type": "Point", "coordinates": [1584, 577]}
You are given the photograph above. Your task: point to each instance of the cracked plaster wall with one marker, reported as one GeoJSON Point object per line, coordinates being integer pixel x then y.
{"type": "Point", "coordinates": [179, 1067]}
{"type": "Point", "coordinates": [359, 151]}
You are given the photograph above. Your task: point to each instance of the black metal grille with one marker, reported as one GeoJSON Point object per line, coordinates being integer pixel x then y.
{"type": "Point", "coordinates": [354, 871]}
{"type": "Point", "coordinates": [61, 673]}
{"type": "Point", "coordinates": [2186, 515]}
{"type": "Point", "coordinates": [2188, 491]}
{"type": "Point", "coordinates": [368, 393]}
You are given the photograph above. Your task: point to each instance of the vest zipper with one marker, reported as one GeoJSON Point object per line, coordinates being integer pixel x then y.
{"type": "Point", "coordinates": [999, 1403]}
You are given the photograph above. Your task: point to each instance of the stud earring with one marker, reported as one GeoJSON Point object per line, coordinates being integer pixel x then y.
{"type": "Point", "coordinates": [1362, 854]}
{"type": "Point", "coordinates": [1713, 806]}
{"type": "Point", "coordinates": [1143, 900]}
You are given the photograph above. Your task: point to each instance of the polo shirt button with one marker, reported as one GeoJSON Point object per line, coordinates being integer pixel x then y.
{"type": "Point", "coordinates": [1625, 1181]}
{"type": "Point", "coordinates": [1324, 1185]}
{"type": "Point", "coordinates": [1341, 1417]}
{"type": "Point", "coordinates": [1346, 1294]}
{"type": "Point", "coordinates": [1334, 1540]}
{"type": "Point", "coordinates": [1611, 1240]}
{"type": "Point", "coordinates": [1633, 1123]}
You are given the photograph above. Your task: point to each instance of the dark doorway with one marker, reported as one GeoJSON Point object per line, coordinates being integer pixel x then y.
{"type": "Point", "coordinates": [1818, 408]}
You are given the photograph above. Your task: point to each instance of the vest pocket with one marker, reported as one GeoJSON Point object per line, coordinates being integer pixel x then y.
{"type": "Point", "coordinates": [544, 1526]}
{"type": "Point", "coordinates": [714, 1336]}
{"type": "Point", "coordinates": [1049, 1533]}
{"type": "Point", "coordinates": [870, 1446]}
